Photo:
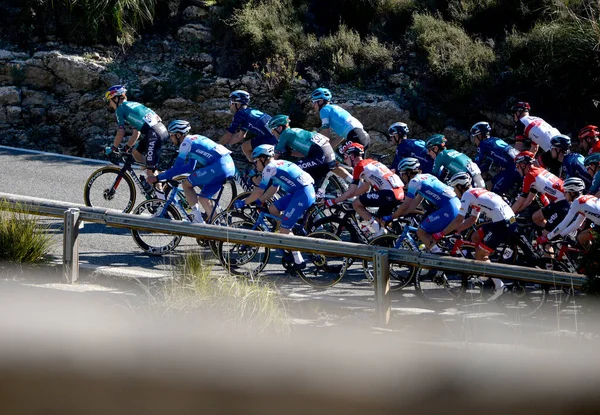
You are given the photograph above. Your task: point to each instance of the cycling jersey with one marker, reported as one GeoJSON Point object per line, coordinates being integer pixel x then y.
{"type": "Point", "coordinates": [416, 149]}
{"type": "Point", "coordinates": [595, 148]}
{"type": "Point", "coordinates": [481, 200]}
{"type": "Point", "coordinates": [255, 122]}
{"type": "Point", "coordinates": [454, 162]}
{"type": "Point", "coordinates": [536, 130]}
{"type": "Point", "coordinates": [572, 166]}
{"type": "Point", "coordinates": [379, 176]}
{"type": "Point", "coordinates": [540, 180]}
{"type": "Point", "coordinates": [136, 115]}
{"type": "Point", "coordinates": [496, 151]}
{"type": "Point", "coordinates": [584, 207]}
{"type": "Point", "coordinates": [338, 120]}
{"type": "Point", "coordinates": [431, 188]}
{"type": "Point", "coordinates": [595, 186]}
{"type": "Point", "coordinates": [300, 141]}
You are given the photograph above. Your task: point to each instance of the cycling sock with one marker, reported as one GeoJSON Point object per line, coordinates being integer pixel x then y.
{"type": "Point", "coordinates": [197, 214]}
{"type": "Point", "coordinates": [297, 257]}
{"type": "Point", "coordinates": [498, 284]}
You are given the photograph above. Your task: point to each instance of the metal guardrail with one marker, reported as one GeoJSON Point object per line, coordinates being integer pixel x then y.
{"type": "Point", "coordinates": [74, 213]}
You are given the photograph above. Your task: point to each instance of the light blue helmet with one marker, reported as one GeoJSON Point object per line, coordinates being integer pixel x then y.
{"type": "Point", "coordinates": [321, 93]}
{"type": "Point", "coordinates": [266, 150]}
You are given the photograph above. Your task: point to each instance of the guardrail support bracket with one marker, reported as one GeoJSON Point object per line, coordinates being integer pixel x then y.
{"type": "Point", "coordinates": [71, 246]}
{"type": "Point", "coordinates": [381, 266]}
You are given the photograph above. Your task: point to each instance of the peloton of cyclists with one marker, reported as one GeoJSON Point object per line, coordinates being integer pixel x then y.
{"type": "Point", "coordinates": [247, 120]}
{"type": "Point", "coordinates": [406, 147]}
{"type": "Point", "coordinates": [209, 164]}
{"type": "Point", "coordinates": [144, 122]}
{"type": "Point", "coordinates": [451, 161]}
{"type": "Point", "coordinates": [567, 163]}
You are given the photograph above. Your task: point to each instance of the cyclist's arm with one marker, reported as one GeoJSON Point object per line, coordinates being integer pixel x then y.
{"type": "Point", "coordinates": [409, 205]}
{"type": "Point", "coordinates": [119, 136]}
{"type": "Point", "coordinates": [237, 137]}
{"type": "Point", "coordinates": [571, 222]}
{"type": "Point", "coordinates": [135, 134]}
{"type": "Point", "coordinates": [256, 193]}
{"type": "Point", "coordinates": [522, 202]}
{"type": "Point", "coordinates": [362, 188]}
{"type": "Point", "coordinates": [351, 192]}
{"type": "Point", "coordinates": [225, 138]}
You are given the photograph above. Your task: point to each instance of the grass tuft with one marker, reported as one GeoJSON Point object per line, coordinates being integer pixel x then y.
{"type": "Point", "coordinates": [23, 239]}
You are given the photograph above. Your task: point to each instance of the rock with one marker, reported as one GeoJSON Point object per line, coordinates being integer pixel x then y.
{"type": "Point", "coordinates": [6, 55]}
{"type": "Point", "coordinates": [194, 13]}
{"type": "Point", "coordinates": [2, 116]}
{"type": "Point", "coordinates": [149, 70]}
{"type": "Point", "coordinates": [79, 73]}
{"type": "Point", "coordinates": [10, 95]}
{"type": "Point", "coordinates": [399, 79]}
{"type": "Point", "coordinates": [378, 115]}
{"type": "Point", "coordinates": [13, 114]}
{"type": "Point", "coordinates": [177, 103]}
{"type": "Point", "coordinates": [194, 33]}
{"type": "Point", "coordinates": [38, 77]}
{"type": "Point", "coordinates": [33, 98]}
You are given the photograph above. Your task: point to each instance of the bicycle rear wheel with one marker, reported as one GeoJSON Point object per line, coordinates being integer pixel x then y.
{"type": "Point", "coordinates": [400, 275]}
{"type": "Point", "coordinates": [102, 189]}
{"type": "Point", "coordinates": [323, 270]}
{"type": "Point", "coordinates": [155, 243]}
{"type": "Point", "coordinates": [241, 259]}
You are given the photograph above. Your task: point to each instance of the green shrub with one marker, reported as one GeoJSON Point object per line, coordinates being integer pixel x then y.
{"type": "Point", "coordinates": [458, 61]}
{"type": "Point", "coordinates": [22, 238]}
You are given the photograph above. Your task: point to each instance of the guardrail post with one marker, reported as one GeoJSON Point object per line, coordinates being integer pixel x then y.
{"type": "Point", "coordinates": [381, 266]}
{"type": "Point", "coordinates": [71, 246]}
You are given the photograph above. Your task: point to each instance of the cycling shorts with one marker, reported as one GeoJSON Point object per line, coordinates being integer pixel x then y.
{"type": "Point", "coordinates": [359, 135]}
{"type": "Point", "coordinates": [293, 205]}
{"type": "Point", "coordinates": [262, 139]}
{"type": "Point", "coordinates": [386, 200]}
{"type": "Point", "coordinates": [554, 213]}
{"type": "Point", "coordinates": [493, 234]}
{"type": "Point", "coordinates": [439, 219]}
{"type": "Point", "coordinates": [318, 162]}
{"type": "Point", "coordinates": [212, 177]}
{"type": "Point", "coordinates": [151, 143]}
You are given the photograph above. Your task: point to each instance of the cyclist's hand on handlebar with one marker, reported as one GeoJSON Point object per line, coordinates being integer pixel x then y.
{"type": "Point", "coordinates": [387, 218]}
{"type": "Point", "coordinates": [239, 204]}
{"type": "Point", "coordinates": [127, 149]}
{"type": "Point", "coordinates": [541, 240]}
{"type": "Point", "coordinates": [110, 150]}
{"type": "Point", "coordinates": [329, 202]}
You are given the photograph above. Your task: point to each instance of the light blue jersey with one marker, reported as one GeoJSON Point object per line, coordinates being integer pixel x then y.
{"type": "Point", "coordinates": [338, 119]}
{"type": "Point", "coordinates": [285, 174]}
{"type": "Point", "coordinates": [432, 190]}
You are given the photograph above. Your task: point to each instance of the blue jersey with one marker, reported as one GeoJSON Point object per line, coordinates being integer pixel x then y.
{"type": "Point", "coordinates": [572, 166]}
{"type": "Point", "coordinates": [252, 121]}
{"type": "Point", "coordinates": [195, 151]}
{"type": "Point", "coordinates": [285, 174]}
{"type": "Point", "coordinates": [416, 149]}
{"type": "Point", "coordinates": [338, 120]}
{"type": "Point", "coordinates": [432, 190]}
{"type": "Point", "coordinates": [494, 150]}
{"type": "Point", "coordinates": [595, 186]}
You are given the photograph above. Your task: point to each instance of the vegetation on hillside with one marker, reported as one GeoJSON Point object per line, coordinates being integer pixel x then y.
{"type": "Point", "coordinates": [465, 55]}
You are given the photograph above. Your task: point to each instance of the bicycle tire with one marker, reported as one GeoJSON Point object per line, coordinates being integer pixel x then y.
{"type": "Point", "coordinates": [155, 243]}
{"type": "Point", "coordinates": [98, 190]}
{"type": "Point", "coordinates": [323, 271]}
{"type": "Point", "coordinates": [230, 193]}
{"type": "Point", "coordinates": [242, 260]}
{"type": "Point", "coordinates": [401, 275]}
{"type": "Point", "coordinates": [225, 218]}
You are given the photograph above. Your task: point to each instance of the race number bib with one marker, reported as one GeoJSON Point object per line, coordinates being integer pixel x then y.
{"type": "Point", "coordinates": [473, 169]}
{"type": "Point", "coordinates": [151, 119]}
{"type": "Point", "coordinates": [319, 139]}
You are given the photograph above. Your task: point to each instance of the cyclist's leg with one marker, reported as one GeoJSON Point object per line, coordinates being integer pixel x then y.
{"type": "Point", "coordinates": [359, 135]}
{"type": "Point", "coordinates": [296, 206]}
{"type": "Point", "coordinates": [437, 222]}
{"type": "Point", "coordinates": [210, 178]}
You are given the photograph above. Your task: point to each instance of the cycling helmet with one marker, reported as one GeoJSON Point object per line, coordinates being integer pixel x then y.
{"type": "Point", "coordinates": [409, 163]}
{"type": "Point", "coordinates": [266, 150]}
{"type": "Point", "coordinates": [398, 128]}
{"type": "Point", "coordinates": [436, 140]}
{"type": "Point", "coordinates": [482, 127]}
{"type": "Point", "coordinates": [240, 96]}
{"type": "Point", "coordinates": [588, 131]}
{"type": "Point", "coordinates": [520, 107]}
{"type": "Point", "coordinates": [593, 158]}
{"type": "Point", "coordinates": [461, 178]}
{"type": "Point", "coordinates": [179, 126]}
{"type": "Point", "coordinates": [526, 157]}
{"type": "Point", "coordinates": [278, 121]}
{"type": "Point", "coordinates": [573, 184]}
{"type": "Point", "coordinates": [353, 148]}
{"type": "Point", "coordinates": [321, 93]}
{"type": "Point", "coordinates": [115, 91]}
{"type": "Point", "coordinates": [561, 141]}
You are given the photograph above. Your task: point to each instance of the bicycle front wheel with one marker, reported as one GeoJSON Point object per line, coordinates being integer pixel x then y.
{"type": "Point", "coordinates": [241, 259]}
{"type": "Point", "coordinates": [323, 270]}
{"type": "Point", "coordinates": [155, 243]}
{"type": "Point", "coordinates": [104, 189]}
{"type": "Point", "coordinates": [401, 275]}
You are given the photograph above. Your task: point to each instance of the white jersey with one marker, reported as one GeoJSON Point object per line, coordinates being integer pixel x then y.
{"type": "Point", "coordinates": [539, 131]}
{"type": "Point", "coordinates": [481, 200]}
{"type": "Point", "coordinates": [584, 207]}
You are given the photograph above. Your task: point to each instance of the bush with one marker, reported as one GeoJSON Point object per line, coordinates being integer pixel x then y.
{"type": "Point", "coordinates": [459, 62]}
{"type": "Point", "coordinates": [22, 238]}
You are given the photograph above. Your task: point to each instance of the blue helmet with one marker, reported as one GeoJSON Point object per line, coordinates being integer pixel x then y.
{"type": "Point", "coordinates": [266, 150]}
{"type": "Point", "coordinates": [321, 93]}
{"type": "Point", "coordinates": [399, 128]}
{"type": "Point", "coordinates": [239, 96]}
{"type": "Point", "coordinates": [561, 141]}
{"type": "Point", "coordinates": [482, 127]}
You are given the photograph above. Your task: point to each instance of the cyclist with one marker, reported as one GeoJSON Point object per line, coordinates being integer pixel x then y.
{"type": "Point", "coordinates": [582, 207]}
{"type": "Point", "coordinates": [490, 234]}
{"type": "Point", "coordinates": [588, 139]}
{"type": "Point", "coordinates": [369, 174]}
{"type": "Point", "coordinates": [570, 164]}
{"type": "Point", "coordinates": [426, 186]}
{"type": "Point", "coordinates": [405, 147]}
{"type": "Point", "coordinates": [532, 132]}
{"type": "Point", "coordinates": [291, 180]}
{"type": "Point", "coordinates": [144, 121]}
{"type": "Point", "coordinates": [246, 119]}
{"type": "Point", "coordinates": [495, 151]}
{"type": "Point", "coordinates": [209, 164]}
{"type": "Point", "coordinates": [451, 160]}
{"type": "Point", "coordinates": [336, 119]}
{"type": "Point", "coordinates": [316, 155]}
{"type": "Point", "coordinates": [538, 180]}
{"type": "Point", "coordinates": [591, 163]}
